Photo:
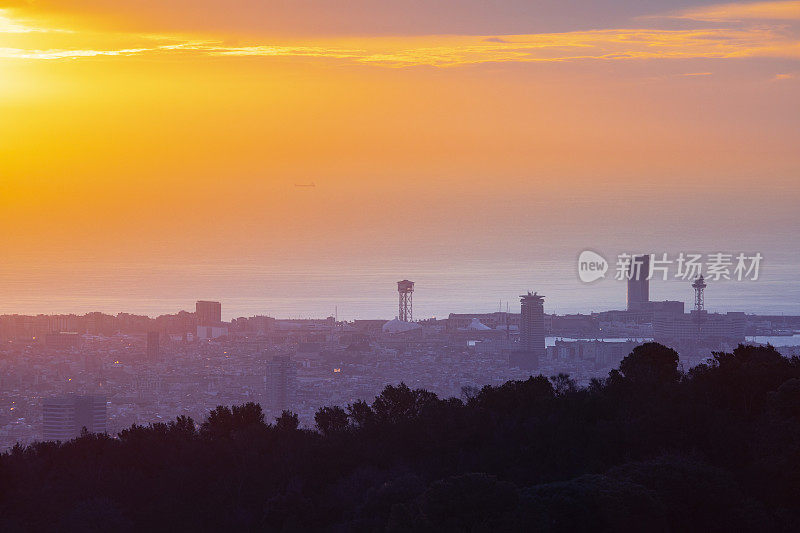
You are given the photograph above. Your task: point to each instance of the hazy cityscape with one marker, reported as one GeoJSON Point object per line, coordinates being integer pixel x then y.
{"type": "Point", "coordinates": [61, 373]}
{"type": "Point", "coordinates": [399, 266]}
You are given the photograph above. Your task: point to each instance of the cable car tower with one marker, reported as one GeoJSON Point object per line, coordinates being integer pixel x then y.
{"type": "Point", "coordinates": [405, 289]}
{"type": "Point", "coordinates": [699, 286]}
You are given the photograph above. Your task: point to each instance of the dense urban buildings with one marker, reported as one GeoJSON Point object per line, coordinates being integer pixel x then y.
{"type": "Point", "coordinates": [281, 383]}
{"type": "Point", "coordinates": [151, 369]}
{"type": "Point", "coordinates": [152, 345]}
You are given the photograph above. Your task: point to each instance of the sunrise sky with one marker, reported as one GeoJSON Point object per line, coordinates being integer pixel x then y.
{"type": "Point", "coordinates": [169, 133]}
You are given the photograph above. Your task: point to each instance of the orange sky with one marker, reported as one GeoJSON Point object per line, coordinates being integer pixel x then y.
{"type": "Point", "coordinates": [133, 130]}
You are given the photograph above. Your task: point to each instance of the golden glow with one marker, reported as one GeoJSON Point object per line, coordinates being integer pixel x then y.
{"type": "Point", "coordinates": [119, 144]}
{"type": "Point", "coordinates": [11, 24]}
{"type": "Point", "coordinates": [20, 38]}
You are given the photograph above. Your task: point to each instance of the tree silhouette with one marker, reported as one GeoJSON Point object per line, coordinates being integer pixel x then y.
{"type": "Point", "coordinates": [288, 421]}
{"type": "Point", "coordinates": [515, 395]}
{"type": "Point", "coordinates": [400, 403]}
{"type": "Point", "coordinates": [360, 414]}
{"type": "Point", "coordinates": [651, 364]}
{"type": "Point", "coordinates": [331, 420]}
{"type": "Point", "coordinates": [742, 379]}
{"type": "Point", "coordinates": [563, 384]}
{"type": "Point", "coordinates": [223, 422]}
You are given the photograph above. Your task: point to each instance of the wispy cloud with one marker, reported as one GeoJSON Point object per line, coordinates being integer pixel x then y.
{"type": "Point", "coordinates": [784, 10]}
{"type": "Point", "coordinates": [15, 53]}
{"type": "Point", "coordinates": [743, 41]}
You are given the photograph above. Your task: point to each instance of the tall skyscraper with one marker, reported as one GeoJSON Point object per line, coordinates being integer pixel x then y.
{"type": "Point", "coordinates": [531, 332]}
{"type": "Point", "coordinates": [64, 417]}
{"type": "Point", "coordinates": [152, 346]}
{"type": "Point", "coordinates": [208, 313]}
{"type": "Point", "coordinates": [281, 383]}
{"type": "Point", "coordinates": [639, 283]}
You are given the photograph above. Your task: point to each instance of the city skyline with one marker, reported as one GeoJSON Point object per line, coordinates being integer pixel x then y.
{"type": "Point", "coordinates": [214, 313]}
{"type": "Point", "coordinates": [372, 294]}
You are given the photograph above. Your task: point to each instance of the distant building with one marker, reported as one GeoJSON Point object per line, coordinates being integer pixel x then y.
{"type": "Point", "coordinates": [211, 332]}
{"type": "Point", "coordinates": [208, 313]}
{"type": "Point", "coordinates": [577, 325]}
{"type": "Point", "coordinates": [702, 326]}
{"type": "Point", "coordinates": [638, 323]}
{"type": "Point", "coordinates": [698, 332]}
{"type": "Point", "coordinates": [531, 333]}
{"type": "Point", "coordinates": [152, 346]}
{"type": "Point", "coordinates": [309, 325]}
{"type": "Point", "coordinates": [255, 325]}
{"type": "Point", "coordinates": [281, 383]}
{"type": "Point", "coordinates": [496, 320]}
{"type": "Point", "coordinates": [65, 417]}
{"type": "Point", "coordinates": [393, 327]}
{"type": "Point", "coordinates": [147, 383]}
{"type": "Point", "coordinates": [369, 327]}
{"type": "Point", "coordinates": [309, 350]}
{"type": "Point", "coordinates": [62, 341]}
{"type": "Point", "coordinates": [666, 306]}
{"type": "Point", "coordinates": [600, 355]}
{"type": "Point", "coordinates": [639, 282]}
{"type": "Point", "coordinates": [209, 320]}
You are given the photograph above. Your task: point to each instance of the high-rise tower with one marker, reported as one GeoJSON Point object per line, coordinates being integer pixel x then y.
{"type": "Point", "coordinates": [208, 313]}
{"type": "Point", "coordinates": [638, 282]}
{"type": "Point", "coordinates": [531, 332]}
{"type": "Point", "coordinates": [405, 289]}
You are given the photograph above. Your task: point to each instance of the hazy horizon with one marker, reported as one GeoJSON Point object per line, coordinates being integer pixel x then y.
{"type": "Point", "coordinates": [367, 290]}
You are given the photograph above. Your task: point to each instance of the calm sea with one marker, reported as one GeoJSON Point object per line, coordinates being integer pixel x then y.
{"type": "Point", "coordinates": [359, 289]}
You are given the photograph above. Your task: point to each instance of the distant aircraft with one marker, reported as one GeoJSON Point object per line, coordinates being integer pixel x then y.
{"type": "Point", "coordinates": [312, 184]}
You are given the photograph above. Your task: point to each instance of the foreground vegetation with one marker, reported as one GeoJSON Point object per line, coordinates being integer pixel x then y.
{"type": "Point", "coordinates": [717, 448]}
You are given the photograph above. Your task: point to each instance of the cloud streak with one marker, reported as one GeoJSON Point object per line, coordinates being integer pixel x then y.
{"type": "Point", "coordinates": [450, 51]}
{"type": "Point", "coordinates": [745, 40]}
